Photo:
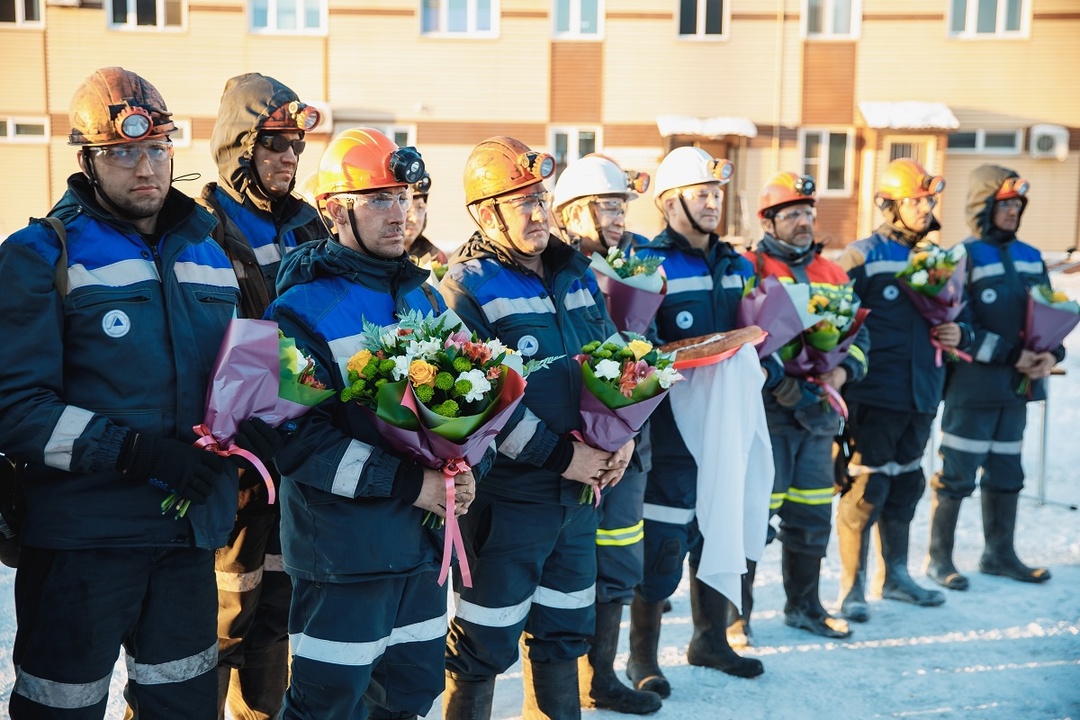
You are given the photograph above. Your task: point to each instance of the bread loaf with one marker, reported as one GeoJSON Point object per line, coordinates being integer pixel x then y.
{"type": "Point", "coordinates": [703, 346]}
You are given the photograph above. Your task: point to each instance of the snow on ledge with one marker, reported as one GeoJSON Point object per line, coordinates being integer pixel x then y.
{"type": "Point", "coordinates": [909, 115]}
{"type": "Point", "coordinates": [713, 127]}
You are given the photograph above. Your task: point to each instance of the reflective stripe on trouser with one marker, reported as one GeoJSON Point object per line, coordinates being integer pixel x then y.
{"type": "Point", "coordinates": [620, 540]}
{"type": "Point", "coordinates": [889, 447]}
{"type": "Point", "coordinates": [988, 437]}
{"type": "Point", "coordinates": [253, 615]}
{"type": "Point", "coordinates": [667, 543]}
{"type": "Point", "coordinates": [533, 571]}
{"type": "Point", "coordinates": [77, 607]}
{"type": "Point", "coordinates": [381, 638]}
{"type": "Point", "coordinates": [804, 485]}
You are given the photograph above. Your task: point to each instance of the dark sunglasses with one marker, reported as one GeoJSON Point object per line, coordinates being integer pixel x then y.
{"type": "Point", "coordinates": [280, 143]}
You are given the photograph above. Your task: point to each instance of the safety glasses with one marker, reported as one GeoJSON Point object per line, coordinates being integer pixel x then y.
{"type": "Point", "coordinates": [279, 143]}
{"type": "Point", "coordinates": [127, 156]}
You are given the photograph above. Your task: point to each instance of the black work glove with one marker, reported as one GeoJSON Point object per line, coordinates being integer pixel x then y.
{"type": "Point", "coordinates": [171, 465]}
{"type": "Point", "coordinates": [259, 439]}
{"type": "Point", "coordinates": [788, 392]}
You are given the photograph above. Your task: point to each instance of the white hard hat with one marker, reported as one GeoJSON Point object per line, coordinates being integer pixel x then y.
{"type": "Point", "coordinates": [591, 176]}
{"type": "Point", "coordinates": [690, 166]}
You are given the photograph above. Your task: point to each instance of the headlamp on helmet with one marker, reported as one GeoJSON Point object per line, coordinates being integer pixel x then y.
{"type": "Point", "coordinates": [1012, 187]}
{"type": "Point", "coordinates": [933, 184]}
{"type": "Point", "coordinates": [537, 163]}
{"type": "Point", "coordinates": [422, 186]}
{"type": "Point", "coordinates": [406, 165]}
{"type": "Point", "coordinates": [804, 185]}
{"type": "Point", "coordinates": [722, 170]}
{"type": "Point", "coordinates": [292, 116]}
{"type": "Point", "coordinates": [132, 122]}
{"type": "Point", "coordinates": [637, 181]}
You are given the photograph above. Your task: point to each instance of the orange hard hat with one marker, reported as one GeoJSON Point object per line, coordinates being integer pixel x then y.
{"type": "Point", "coordinates": [905, 178]}
{"type": "Point", "coordinates": [363, 159]}
{"type": "Point", "coordinates": [115, 106]}
{"type": "Point", "coordinates": [1012, 188]}
{"type": "Point", "coordinates": [786, 188]}
{"type": "Point", "coordinates": [502, 164]}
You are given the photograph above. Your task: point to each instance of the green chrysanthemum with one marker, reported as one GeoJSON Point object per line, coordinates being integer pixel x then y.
{"type": "Point", "coordinates": [444, 381]}
{"type": "Point", "coordinates": [424, 393]}
{"type": "Point", "coordinates": [386, 366]}
{"type": "Point", "coordinates": [462, 388]}
{"type": "Point", "coordinates": [462, 364]}
{"type": "Point", "coordinates": [448, 409]}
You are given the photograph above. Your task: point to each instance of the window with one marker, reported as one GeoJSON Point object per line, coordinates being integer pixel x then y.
{"type": "Point", "coordinates": [578, 18]}
{"type": "Point", "coordinates": [24, 130]}
{"type": "Point", "coordinates": [1001, 142]}
{"type": "Point", "coordinates": [833, 18]}
{"type": "Point", "coordinates": [828, 156]}
{"type": "Point", "coordinates": [569, 144]}
{"type": "Point", "coordinates": [181, 137]}
{"type": "Point", "coordinates": [988, 18]}
{"type": "Point", "coordinates": [288, 16]}
{"type": "Point", "coordinates": [703, 18]}
{"type": "Point", "coordinates": [20, 12]}
{"type": "Point", "coordinates": [459, 17]}
{"type": "Point", "coordinates": [130, 14]}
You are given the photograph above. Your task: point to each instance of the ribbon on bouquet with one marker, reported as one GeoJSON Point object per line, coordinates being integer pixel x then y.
{"type": "Point", "coordinates": [207, 441]}
{"type": "Point", "coordinates": [452, 540]}
{"type": "Point", "coordinates": [832, 396]}
{"type": "Point", "coordinates": [953, 352]}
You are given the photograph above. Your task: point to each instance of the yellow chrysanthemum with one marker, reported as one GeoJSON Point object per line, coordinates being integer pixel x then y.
{"type": "Point", "coordinates": [640, 348]}
{"type": "Point", "coordinates": [359, 361]}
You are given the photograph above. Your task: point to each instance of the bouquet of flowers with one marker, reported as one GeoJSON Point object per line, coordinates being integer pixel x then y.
{"type": "Point", "coordinates": [1051, 316]}
{"type": "Point", "coordinates": [437, 394]}
{"type": "Point", "coordinates": [779, 308]}
{"type": "Point", "coordinates": [934, 281]}
{"type": "Point", "coordinates": [634, 287]}
{"type": "Point", "coordinates": [837, 316]}
{"type": "Point", "coordinates": [622, 383]}
{"type": "Point", "coordinates": [258, 373]}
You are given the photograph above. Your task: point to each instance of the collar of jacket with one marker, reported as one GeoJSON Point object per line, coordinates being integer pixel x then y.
{"type": "Point", "coordinates": [790, 254]}
{"type": "Point", "coordinates": [905, 236]}
{"type": "Point", "coordinates": [716, 247]}
{"type": "Point", "coordinates": [557, 256]}
{"type": "Point", "coordinates": [253, 199]}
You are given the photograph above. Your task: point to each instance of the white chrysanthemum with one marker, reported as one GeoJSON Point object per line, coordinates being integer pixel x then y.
{"type": "Point", "coordinates": [607, 370]}
{"type": "Point", "coordinates": [480, 384]}
{"type": "Point", "coordinates": [425, 349]}
{"type": "Point", "coordinates": [496, 347]}
{"type": "Point", "coordinates": [668, 377]}
{"type": "Point", "coordinates": [920, 277]}
{"type": "Point", "coordinates": [401, 366]}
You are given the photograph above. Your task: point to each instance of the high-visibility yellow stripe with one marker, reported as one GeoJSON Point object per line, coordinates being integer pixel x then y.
{"type": "Point", "coordinates": [820, 496]}
{"type": "Point", "coordinates": [856, 352]}
{"type": "Point", "coordinates": [621, 537]}
{"type": "Point", "coordinates": [776, 500]}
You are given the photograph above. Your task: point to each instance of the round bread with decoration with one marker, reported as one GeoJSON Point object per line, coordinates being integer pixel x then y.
{"type": "Point", "coordinates": [715, 346]}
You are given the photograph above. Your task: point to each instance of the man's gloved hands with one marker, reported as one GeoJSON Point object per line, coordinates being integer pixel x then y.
{"type": "Point", "coordinates": [788, 392]}
{"type": "Point", "coordinates": [259, 439]}
{"type": "Point", "coordinates": [173, 465]}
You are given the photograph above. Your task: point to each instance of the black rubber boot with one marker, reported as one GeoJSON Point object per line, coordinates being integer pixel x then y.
{"type": "Point", "coordinates": [898, 585]}
{"type": "Point", "coordinates": [944, 512]}
{"type": "Point", "coordinates": [551, 690]}
{"type": "Point", "coordinates": [597, 683]}
{"type": "Point", "coordinates": [853, 523]}
{"type": "Point", "coordinates": [467, 699]}
{"type": "Point", "coordinates": [739, 633]}
{"type": "Point", "coordinates": [709, 646]}
{"type": "Point", "coordinates": [999, 530]}
{"type": "Point", "coordinates": [802, 573]}
{"type": "Point", "coordinates": [642, 668]}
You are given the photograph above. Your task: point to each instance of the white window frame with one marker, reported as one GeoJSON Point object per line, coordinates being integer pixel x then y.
{"type": "Point", "coordinates": [573, 139]}
{"type": "Point", "coordinates": [980, 143]}
{"type": "Point", "coordinates": [272, 15]}
{"type": "Point", "coordinates": [971, 14]}
{"type": "Point", "coordinates": [20, 16]}
{"type": "Point", "coordinates": [699, 24]}
{"type": "Point", "coordinates": [131, 24]}
{"type": "Point", "coordinates": [11, 121]}
{"type": "Point", "coordinates": [827, 10]}
{"type": "Point", "coordinates": [470, 31]}
{"type": "Point", "coordinates": [821, 176]}
{"type": "Point", "coordinates": [574, 33]}
{"type": "Point", "coordinates": [184, 126]}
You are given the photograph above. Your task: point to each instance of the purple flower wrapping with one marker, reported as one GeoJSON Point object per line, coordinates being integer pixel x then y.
{"type": "Point", "coordinates": [770, 307]}
{"type": "Point", "coordinates": [1045, 327]}
{"type": "Point", "coordinates": [631, 308]}
{"type": "Point", "coordinates": [608, 429]}
{"type": "Point", "coordinates": [813, 362]}
{"type": "Point", "coordinates": [944, 306]}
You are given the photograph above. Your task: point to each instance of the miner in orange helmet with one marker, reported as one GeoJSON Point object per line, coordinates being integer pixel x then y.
{"type": "Point", "coordinates": [535, 565]}
{"type": "Point", "coordinates": [368, 617]}
{"type": "Point", "coordinates": [114, 312]}
{"type": "Point", "coordinates": [801, 423]}
{"type": "Point", "coordinates": [892, 409]}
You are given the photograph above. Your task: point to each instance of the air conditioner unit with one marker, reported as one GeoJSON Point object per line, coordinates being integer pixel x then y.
{"type": "Point", "coordinates": [1049, 141]}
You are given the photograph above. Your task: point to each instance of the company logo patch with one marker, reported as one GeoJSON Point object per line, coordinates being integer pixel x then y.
{"type": "Point", "coordinates": [891, 292]}
{"type": "Point", "coordinates": [528, 345]}
{"type": "Point", "coordinates": [116, 323]}
{"type": "Point", "coordinates": [684, 319]}
{"type": "Point", "coordinates": [989, 296]}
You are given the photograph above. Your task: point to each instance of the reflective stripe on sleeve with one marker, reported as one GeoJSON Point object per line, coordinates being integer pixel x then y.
{"type": "Point", "coordinates": [520, 436]}
{"type": "Point", "coordinates": [347, 475]}
{"type": "Point", "coordinates": [987, 347]}
{"type": "Point", "coordinates": [819, 496]}
{"type": "Point", "coordinates": [69, 428]}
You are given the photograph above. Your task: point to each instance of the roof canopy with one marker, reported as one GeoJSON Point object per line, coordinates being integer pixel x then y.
{"type": "Point", "coordinates": [909, 115]}
{"type": "Point", "coordinates": [714, 127]}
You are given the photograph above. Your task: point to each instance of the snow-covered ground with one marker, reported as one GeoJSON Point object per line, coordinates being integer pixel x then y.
{"type": "Point", "coordinates": [1001, 651]}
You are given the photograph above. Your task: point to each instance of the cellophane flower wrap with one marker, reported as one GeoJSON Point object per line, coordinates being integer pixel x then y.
{"type": "Point", "coordinates": [633, 287]}
{"type": "Point", "coordinates": [258, 373]}
{"type": "Point", "coordinates": [623, 380]}
{"type": "Point", "coordinates": [438, 395]}
{"type": "Point", "coordinates": [934, 281]}
{"type": "Point", "coordinates": [778, 308]}
{"type": "Point", "coordinates": [1050, 317]}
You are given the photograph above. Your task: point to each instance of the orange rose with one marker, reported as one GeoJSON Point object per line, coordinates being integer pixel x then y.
{"type": "Point", "coordinates": [422, 373]}
{"type": "Point", "coordinates": [359, 361]}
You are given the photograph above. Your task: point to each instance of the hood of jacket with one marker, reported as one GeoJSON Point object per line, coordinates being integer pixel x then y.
{"type": "Point", "coordinates": [329, 258]}
{"type": "Point", "coordinates": [248, 100]}
{"type": "Point", "coordinates": [982, 186]}
{"type": "Point", "coordinates": [556, 255]}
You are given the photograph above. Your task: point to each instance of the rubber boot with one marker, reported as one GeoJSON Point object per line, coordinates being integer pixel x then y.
{"type": "Point", "coordinates": [853, 537]}
{"type": "Point", "coordinates": [803, 609]}
{"type": "Point", "coordinates": [643, 669]}
{"type": "Point", "coordinates": [597, 683]}
{"type": "Point", "coordinates": [739, 633]}
{"type": "Point", "coordinates": [551, 691]}
{"type": "Point", "coordinates": [709, 646]}
{"type": "Point", "coordinates": [944, 512]}
{"type": "Point", "coordinates": [898, 585]}
{"type": "Point", "coordinates": [467, 699]}
{"type": "Point", "coordinates": [999, 529]}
